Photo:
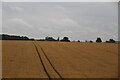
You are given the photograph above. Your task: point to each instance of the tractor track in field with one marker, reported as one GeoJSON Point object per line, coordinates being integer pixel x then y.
{"type": "Point", "coordinates": [42, 61]}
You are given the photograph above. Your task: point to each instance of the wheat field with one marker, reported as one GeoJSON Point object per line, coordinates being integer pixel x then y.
{"type": "Point", "coordinates": [42, 59]}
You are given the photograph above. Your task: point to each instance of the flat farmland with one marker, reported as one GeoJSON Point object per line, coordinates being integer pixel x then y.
{"type": "Point", "coordinates": [42, 59]}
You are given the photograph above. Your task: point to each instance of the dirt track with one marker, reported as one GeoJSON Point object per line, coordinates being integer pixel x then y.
{"type": "Point", "coordinates": [28, 59]}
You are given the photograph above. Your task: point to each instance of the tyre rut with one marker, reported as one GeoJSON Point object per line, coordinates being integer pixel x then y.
{"type": "Point", "coordinates": [48, 60]}
{"type": "Point", "coordinates": [40, 58]}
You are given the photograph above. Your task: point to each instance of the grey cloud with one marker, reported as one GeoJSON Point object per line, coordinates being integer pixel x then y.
{"type": "Point", "coordinates": [0, 17]}
{"type": "Point", "coordinates": [60, 0]}
{"type": "Point", "coordinates": [82, 20]}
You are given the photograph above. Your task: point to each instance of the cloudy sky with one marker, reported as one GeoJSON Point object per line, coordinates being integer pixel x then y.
{"type": "Point", "coordinates": [77, 20]}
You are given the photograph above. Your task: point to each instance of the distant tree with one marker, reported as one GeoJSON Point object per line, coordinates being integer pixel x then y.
{"type": "Point", "coordinates": [66, 39]}
{"type": "Point", "coordinates": [32, 39]}
{"type": "Point", "coordinates": [110, 41]}
{"type": "Point", "coordinates": [58, 38]}
{"type": "Point", "coordinates": [41, 40]}
{"type": "Point", "coordinates": [0, 37]}
{"type": "Point", "coordinates": [91, 41]}
{"type": "Point", "coordinates": [13, 37]}
{"type": "Point", "coordinates": [107, 41]}
{"type": "Point", "coordinates": [49, 39]}
{"type": "Point", "coordinates": [86, 41]}
{"type": "Point", "coordinates": [98, 39]}
{"type": "Point", "coordinates": [78, 41]}
{"type": "Point", "coordinates": [24, 38]}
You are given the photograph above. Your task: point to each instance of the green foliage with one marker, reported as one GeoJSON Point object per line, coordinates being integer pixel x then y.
{"type": "Point", "coordinates": [65, 39]}
{"type": "Point", "coordinates": [98, 40]}
{"type": "Point", "coordinates": [110, 41]}
{"type": "Point", "coordinates": [13, 37]}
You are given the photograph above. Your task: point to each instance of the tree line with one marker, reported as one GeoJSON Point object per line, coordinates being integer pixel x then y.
{"type": "Point", "coordinates": [13, 37]}
{"type": "Point", "coordinates": [65, 39]}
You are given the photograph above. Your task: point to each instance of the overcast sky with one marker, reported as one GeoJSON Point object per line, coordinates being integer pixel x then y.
{"type": "Point", "coordinates": [77, 20]}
